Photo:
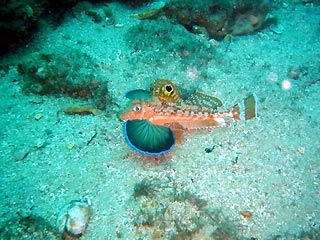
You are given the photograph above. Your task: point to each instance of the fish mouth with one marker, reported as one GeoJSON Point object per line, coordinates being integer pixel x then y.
{"type": "Point", "coordinates": [123, 116]}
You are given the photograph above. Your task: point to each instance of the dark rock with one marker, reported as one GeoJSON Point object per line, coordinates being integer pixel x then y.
{"type": "Point", "coordinates": [220, 18]}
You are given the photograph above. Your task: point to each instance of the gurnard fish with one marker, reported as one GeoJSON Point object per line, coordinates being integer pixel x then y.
{"type": "Point", "coordinates": [153, 127]}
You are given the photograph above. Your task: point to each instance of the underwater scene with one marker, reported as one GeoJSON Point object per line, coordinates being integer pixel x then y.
{"type": "Point", "coordinates": [149, 119]}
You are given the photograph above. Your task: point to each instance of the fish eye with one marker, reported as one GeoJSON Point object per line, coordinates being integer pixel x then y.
{"type": "Point", "coordinates": [168, 88]}
{"type": "Point", "coordinates": [136, 108]}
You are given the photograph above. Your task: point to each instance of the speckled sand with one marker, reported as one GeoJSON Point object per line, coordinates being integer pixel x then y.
{"type": "Point", "coordinates": [47, 163]}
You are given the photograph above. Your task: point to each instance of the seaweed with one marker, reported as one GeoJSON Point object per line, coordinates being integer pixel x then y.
{"type": "Point", "coordinates": [145, 187]}
{"type": "Point", "coordinates": [166, 209]}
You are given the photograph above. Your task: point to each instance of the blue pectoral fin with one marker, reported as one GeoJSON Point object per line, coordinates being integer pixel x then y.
{"type": "Point", "coordinates": [148, 138]}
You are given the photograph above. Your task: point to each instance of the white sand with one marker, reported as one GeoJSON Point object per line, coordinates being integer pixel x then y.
{"type": "Point", "coordinates": [46, 163]}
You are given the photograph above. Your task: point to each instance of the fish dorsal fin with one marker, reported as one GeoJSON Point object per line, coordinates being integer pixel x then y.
{"type": "Point", "coordinates": [203, 100]}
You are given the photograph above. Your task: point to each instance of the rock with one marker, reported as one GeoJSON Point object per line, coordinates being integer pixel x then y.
{"type": "Point", "coordinates": [219, 18]}
{"type": "Point", "coordinates": [74, 217]}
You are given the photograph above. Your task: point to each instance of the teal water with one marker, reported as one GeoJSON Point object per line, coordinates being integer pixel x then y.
{"type": "Point", "coordinates": [63, 147]}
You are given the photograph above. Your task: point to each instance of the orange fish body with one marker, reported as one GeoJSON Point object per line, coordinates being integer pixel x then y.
{"type": "Point", "coordinates": [189, 117]}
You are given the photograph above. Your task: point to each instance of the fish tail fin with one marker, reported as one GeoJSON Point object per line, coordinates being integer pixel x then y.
{"type": "Point", "coordinates": [246, 109]}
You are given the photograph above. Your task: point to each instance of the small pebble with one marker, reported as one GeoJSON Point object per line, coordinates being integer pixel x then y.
{"type": "Point", "coordinates": [246, 214]}
{"type": "Point", "coordinates": [276, 28]}
{"type": "Point", "coordinates": [38, 116]}
{"type": "Point", "coordinates": [294, 73]}
{"type": "Point", "coordinates": [71, 145]}
{"type": "Point", "coordinates": [214, 43]}
{"type": "Point", "coordinates": [118, 25]}
{"type": "Point", "coordinates": [300, 150]}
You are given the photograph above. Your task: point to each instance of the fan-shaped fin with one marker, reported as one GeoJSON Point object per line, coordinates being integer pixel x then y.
{"type": "Point", "coordinates": [148, 138]}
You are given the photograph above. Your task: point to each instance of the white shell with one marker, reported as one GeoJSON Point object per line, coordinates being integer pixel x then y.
{"type": "Point", "coordinates": [74, 217]}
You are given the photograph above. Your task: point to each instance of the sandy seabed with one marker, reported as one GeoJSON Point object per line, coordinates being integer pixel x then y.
{"type": "Point", "coordinates": [267, 166]}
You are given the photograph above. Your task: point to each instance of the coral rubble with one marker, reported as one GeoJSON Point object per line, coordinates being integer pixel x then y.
{"type": "Point", "coordinates": [219, 18]}
{"type": "Point", "coordinates": [169, 210]}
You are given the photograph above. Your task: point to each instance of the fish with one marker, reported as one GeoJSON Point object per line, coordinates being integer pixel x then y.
{"type": "Point", "coordinates": [164, 90]}
{"type": "Point", "coordinates": [176, 118]}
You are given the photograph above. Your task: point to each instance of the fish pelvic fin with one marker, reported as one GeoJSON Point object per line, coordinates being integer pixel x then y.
{"type": "Point", "coordinates": [246, 109]}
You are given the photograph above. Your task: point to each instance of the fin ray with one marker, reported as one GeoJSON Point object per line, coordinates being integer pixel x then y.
{"type": "Point", "coordinates": [148, 138]}
{"type": "Point", "coordinates": [246, 109]}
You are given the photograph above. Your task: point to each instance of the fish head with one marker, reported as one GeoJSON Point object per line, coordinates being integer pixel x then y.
{"type": "Point", "coordinates": [164, 90]}
{"type": "Point", "coordinates": [137, 110]}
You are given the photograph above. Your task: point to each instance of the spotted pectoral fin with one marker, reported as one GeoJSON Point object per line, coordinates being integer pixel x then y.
{"type": "Point", "coordinates": [198, 124]}
{"type": "Point", "coordinates": [148, 138]}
